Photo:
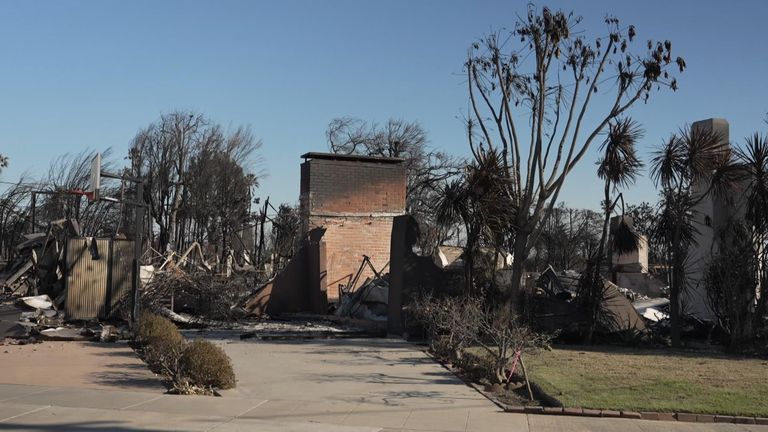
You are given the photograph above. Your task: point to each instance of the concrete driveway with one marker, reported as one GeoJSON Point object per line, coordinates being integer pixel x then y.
{"type": "Point", "coordinates": [341, 385]}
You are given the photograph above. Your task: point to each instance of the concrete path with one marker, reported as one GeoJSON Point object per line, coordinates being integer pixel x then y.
{"type": "Point", "coordinates": [76, 365]}
{"type": "Point", "coordinates": [295, 386]}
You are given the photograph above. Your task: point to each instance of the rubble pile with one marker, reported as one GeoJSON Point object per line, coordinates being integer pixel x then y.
{"type": "Point", "coordinates": [555, 308]}
{"type": "Point", "coordinates": [38, 265]}
{"type": "Point", "coordinates": [35, 318]}
{"type": "Point", "coordinates": [369, 301]}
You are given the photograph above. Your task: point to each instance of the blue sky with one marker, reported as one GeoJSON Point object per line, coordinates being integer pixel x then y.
{"type": "Point", "coordinates": [88, 74]}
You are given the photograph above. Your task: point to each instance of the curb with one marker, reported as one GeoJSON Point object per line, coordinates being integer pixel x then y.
{"type": "Point", "coordinates": [644, 415]}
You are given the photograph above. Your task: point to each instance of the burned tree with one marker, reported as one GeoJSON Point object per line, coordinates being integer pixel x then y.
{"type": "Point", "coordinates": [218, 195]}
{"type": "Point", "coordinates": [478, 201]}
{"type": "Point", "coordinates": [13, 216]}
{"type": "Point", "coordinates": [569, 237]}
{"type": "Point", "coordinates": [198, 178]}
{"type": "Point", "coordinates": [161, 153]}
{"type": "Point", "coordinates": [532, 96]}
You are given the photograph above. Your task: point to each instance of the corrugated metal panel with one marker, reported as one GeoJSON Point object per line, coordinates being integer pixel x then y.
{"type": "Point", "coordinates": [120, 278]}
{"type": "Point", "coordinates": [86, 279]}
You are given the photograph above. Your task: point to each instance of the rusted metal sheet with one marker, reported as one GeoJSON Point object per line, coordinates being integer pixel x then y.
{"type": "Point", "coordinates": [120, 275]}
{"type": "Point", "coordinates": [86, 278]}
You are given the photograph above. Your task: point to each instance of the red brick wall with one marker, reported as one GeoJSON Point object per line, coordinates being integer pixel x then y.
{"type": "Point", "coordinates": [355, 202]}
{"type": "Point", "coordinates": [344, 187]}
{"type": "Point", "coordinates": [347, 239]}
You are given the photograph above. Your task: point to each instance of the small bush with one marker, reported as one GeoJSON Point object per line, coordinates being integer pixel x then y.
{"type": "Point", "coordinates": [207, 365]}
{"type": "Point", "coordinates": [153, 327]}
{"type": "Point", "coordinates": [161, 343]}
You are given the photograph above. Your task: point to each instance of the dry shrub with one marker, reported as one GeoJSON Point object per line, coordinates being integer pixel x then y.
{"type": "Point", "coordinates": [191, 368]}
{"type": "Point", "coordinates": [161, 344]}
{"type": "Point", "coordinates": [450, 323]}
{"type": "Point", "coordinates": [456, 323]}
{"type": "Point", "coordinates": [207, 365]}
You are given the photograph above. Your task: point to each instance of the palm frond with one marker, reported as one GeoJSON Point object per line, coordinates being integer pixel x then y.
{"type": "Point", "coordinates": [620, 163]}
{"type": "Point", "coordinates": [668, 163]}
{"type": "Point", "coordinates": [706, 152]}
{"type": "Point", "coordinates": [753, 163]}
{"type": "Point", "coordinates": [625, 239]}
{"type": "Point", "coordinates": [452, 207]}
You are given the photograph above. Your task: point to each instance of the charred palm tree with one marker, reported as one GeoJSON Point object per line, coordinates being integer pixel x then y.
{"type": "Point", "coordinates": [454, 207]}
{"type": "Point", "coordinates": [688, 167]}
{"type": "Point", "coordinates": [482, 202]}
{"type": "Point", "coordinates": [618, 167]}
{"type": "Point", "coordinates": [752, 163]}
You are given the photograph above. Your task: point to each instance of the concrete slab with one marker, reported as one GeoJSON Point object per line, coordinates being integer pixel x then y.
{"type": "Point", "coordinates": [453, 420]}
{"type": "Point", "coordinates": [377, 371]}
{"type": "Point", "coordinates": [271, 410]}
{"type": "Point", "coordinates": [249, 425]}
{"type": "Point", "coordinates": [193, 405]}
{"type": "Point", "coordinates": [553, 423]}
{"type": "Point", "coordinates": [89, 419]}
{"type": "Point", "coordinates": [9, 392]}
{"type": "Point", "coordinates": [10, 411]}
{"type": "Point", "coordinates": [393, 418]}
{"type": "Point", "coordinates": [495, 420]}
{"type": "Point", "coordinates": [86, 398]}
{"type": "Point", "coordinates": [108, 366]}
{"type": "Point", "coordinates": [332, 412]}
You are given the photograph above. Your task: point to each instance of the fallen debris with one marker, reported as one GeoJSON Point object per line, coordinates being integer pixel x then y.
{"type": "Point", "coordinates": [38, 302]}
{"type": "Point", "coordinates": [65, 334]}
{"type": "Point", "coordinates": [14, 330]}
{"type": "Point", "coordinates": [624, 309]}
{"type": "Point", "coordinates": [369, 302]}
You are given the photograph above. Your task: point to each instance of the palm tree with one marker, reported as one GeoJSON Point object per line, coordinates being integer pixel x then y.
{"type": "Point", "coordinates": [752, 163]}
{"type": "Point", "coordinates": [618, 167]}
{"type": "Point", "coordinates": [481, 200]}
{"type": "Point", "coordinates": [454, 207]}
{"type": "Point", "coordinates": [688, 167]}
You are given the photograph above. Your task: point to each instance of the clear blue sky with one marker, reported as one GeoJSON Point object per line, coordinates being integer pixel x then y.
{"type": "Point", "coordinates": [89, 74]}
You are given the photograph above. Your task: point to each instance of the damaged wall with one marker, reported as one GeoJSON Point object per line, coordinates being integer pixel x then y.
{"type": "Point", "coordinates": [300, 287]}
{"type": "Point", "coordinates": [412, 274]}
{"type": "Point", "coordinates": [354, 198]}
{"type": "Point", "coordinates": [711, 216]}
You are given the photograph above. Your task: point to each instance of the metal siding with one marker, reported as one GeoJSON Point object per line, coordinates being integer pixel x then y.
{"type": "Point", "coordinates": [86, 279]}
{"type": "Point", "coordinates": [122, 272]}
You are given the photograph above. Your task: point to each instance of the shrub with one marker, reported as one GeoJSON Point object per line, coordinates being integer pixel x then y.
{"type": "Point", "coordinates": [456, 323]}
{"type": "Point", "coordinates": [161, 343]}
{"type": "Point", "coordinates": [734, 280]}
{"type": "Point", "coordinates": [450, 323]}
{"type": "Point", "coordinates": [207, 365]}
{"type": "Point", "coordinates": [153, 327]}
{"type": "Point", "coordinates": [195, 368]}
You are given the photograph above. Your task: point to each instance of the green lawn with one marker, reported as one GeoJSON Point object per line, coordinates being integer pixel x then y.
{"type": "Point", "coordinates": [652, 380]}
